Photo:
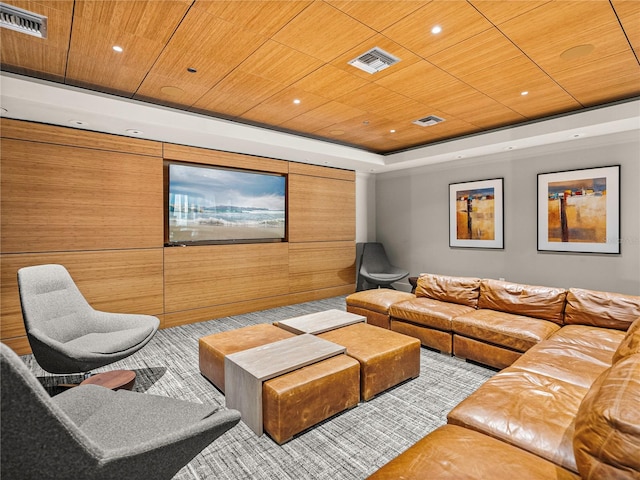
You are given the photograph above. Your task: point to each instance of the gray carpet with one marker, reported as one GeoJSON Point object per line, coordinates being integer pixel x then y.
{"type": "Point", "coordinates": [350, 446]}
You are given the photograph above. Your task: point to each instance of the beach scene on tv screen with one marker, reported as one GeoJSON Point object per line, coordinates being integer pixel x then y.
{"type": "Point", "coordinates": [212, 204]}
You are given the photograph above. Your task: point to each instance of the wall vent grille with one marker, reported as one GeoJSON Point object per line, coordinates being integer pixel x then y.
{"type": "Point", "coordinates": [428, 121]}
{"type": "Point", "coordinates": [15, 18]}
{"type": "Point", "coordinates": [374, 60]}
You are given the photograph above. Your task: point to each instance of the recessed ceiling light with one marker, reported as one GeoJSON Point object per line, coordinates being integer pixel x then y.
{"type": "Point", "coordinates": [524, 93]}
{"type": "Point", "coordinates": [117, 48]}
{"type": "Point", "coordinates": [458, 157]}
{"type": "Point", "coordinates": [79, 123]}
{"type": "Point", "coordinates": [366, 122]}
{"type": "Point", "coordinates": [577, 135]}
{"type": "Point", "coordinates": [392, 131]}
{"type": "Point", "coordinates": [436, 29]}
{"type": "Point", "coordinates": [191, 70]}
{"type": "Point", "coordinates": [510, 147]}
{"type": "Point", "coordinates": [133, 131]}
{"type": "Point", "coordinates": [296, 101]}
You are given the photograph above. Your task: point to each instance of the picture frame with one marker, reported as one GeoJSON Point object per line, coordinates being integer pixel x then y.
{"type": "Point", "coordinates": [476, 214]}
{"type": "Point", "coordinates": [579, 210]}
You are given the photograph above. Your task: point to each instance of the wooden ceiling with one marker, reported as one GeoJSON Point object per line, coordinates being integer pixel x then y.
{"type": "Point", "coordinates": [253, 58]}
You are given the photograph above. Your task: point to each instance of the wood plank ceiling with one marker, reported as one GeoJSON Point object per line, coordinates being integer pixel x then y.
{"type": "Point", "coordinates": [253, 58]}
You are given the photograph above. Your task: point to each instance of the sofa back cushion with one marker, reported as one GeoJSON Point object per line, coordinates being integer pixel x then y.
{"type": "Point", "coordinates": [630, 344]}
{"type": "Point", "coordinates": [601, 309]}
{"type": "Point", "coordinates": [607, 425]}
{"type": "Point", "coordinates": [460, 290]}
{"type": "Point", "coordinates": [546, 303]}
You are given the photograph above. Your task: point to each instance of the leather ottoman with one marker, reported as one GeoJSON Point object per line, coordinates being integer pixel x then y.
{"type": "Point", "coordinates": [213, 348]}
{"type": "Point", "coordinates": [386, 358]}
{"type": "Point", "coordinates": [375, 304]}
{"type": "Point", "coordinates": [300, 399]}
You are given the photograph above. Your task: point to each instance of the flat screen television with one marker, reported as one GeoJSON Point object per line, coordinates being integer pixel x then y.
{"type": "Point", "coordinates": [210, 205]}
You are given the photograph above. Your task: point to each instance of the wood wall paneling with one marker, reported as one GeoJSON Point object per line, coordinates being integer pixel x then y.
{"type": "Point", "coordinates": [122, 281]}
{"type": "Point", "coordinates": [318, 171]}
{"type": "Point", "coordinates": [94, 203]}
{"type": "Point", "coordinates": [223, 159]}
{"type": "Point", "coordinates": [219, 311]}
{"type": "Point", "coordinates": [60, 198]}
{"type": "Point", "coordinates": [72, 137]}
{"type": "Point", "coordinates": [318, 265]}
{"type": "Point", "coordinates": [206, 275]}
{"type": "Point", "coordinates": [321, 209]}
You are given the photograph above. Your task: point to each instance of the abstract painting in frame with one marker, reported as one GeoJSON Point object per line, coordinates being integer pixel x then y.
{"type": "Point", "coordinates": [579, 210]}
{"type": "Point", "coordinates": [476, 214]}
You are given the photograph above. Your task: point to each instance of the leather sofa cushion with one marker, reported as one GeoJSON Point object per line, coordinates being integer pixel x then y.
{"type": "Point", "coordinates": [378, 299]}
{"type": "Point", "coordinates": [546, 303]}
{"type": "Point", "coordinates": [428, 312]}
{"type": "Point", "coordinates": [584, 336]}
{"type": "Point", "coordinates": [607, 424]}
{"type": "Point", "coordinates": [460, 290]}
{"type": "Point", "coordinates": [601, 309]}
{"type": "Point", "coordinates": [630, 344]}
{"type": "Point", "coordinates": [455, 453]}
{"type": "Point", "coordinates": [516, 332]}
{"type": "Point", "coordinates": [578, 365]}
{"type": "Point", "coordinates": [531, 411]}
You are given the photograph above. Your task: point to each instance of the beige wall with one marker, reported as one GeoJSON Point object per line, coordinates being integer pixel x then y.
{"type": "Point", "coordinates": [94, 203]}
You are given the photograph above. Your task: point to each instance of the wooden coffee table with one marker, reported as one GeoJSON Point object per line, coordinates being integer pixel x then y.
{"type": "Point", "coordinates": [320, 322]}
{"type": "Point", "coordinates": [114, 379]}
{"type": "Point", "coordinates": [245, 371]}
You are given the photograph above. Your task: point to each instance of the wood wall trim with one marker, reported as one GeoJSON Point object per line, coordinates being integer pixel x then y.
{"type": "Point", "coordinates": [224, 159]}
{"type": "Point", "coordinates": [318, 171]}
{"type": "Point", "coordinates": [41, 132]}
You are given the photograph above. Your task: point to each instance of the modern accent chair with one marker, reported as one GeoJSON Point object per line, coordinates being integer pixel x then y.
{"type": "Point", "coordinates": [65, 333]}
{"type": "Point", "coordinates": [376, 269]}
{"type": "Point", "coordinates": [92, 432]}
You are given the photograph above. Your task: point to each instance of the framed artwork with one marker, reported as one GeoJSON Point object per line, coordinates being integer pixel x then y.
{"type": "Point", "coordinates": [476, 214]}
{"type": "Point", "coordinates": [579, 210]}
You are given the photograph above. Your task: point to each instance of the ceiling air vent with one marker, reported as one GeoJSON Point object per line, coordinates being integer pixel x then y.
{"type": "Point", "coordinates": [374, 60]}
{"type": "Point", "coordinates": [428, 121]}
{"type": "Point", "coordinates": [23, 21]}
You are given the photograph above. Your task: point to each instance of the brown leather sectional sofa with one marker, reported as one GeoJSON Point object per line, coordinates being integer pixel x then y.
{"type": "Point", "coordinates": [567, 405]}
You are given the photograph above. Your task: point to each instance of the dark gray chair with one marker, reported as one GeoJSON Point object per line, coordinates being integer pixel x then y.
{"type": "Point", "coordinates": [65, 333]}
{"type": "Point", "coordinates": [91, 432]}
{"type": "Point", "coordinates": [375, 268]}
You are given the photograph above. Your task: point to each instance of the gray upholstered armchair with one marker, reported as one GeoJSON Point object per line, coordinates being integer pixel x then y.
{"type": "Point", "coordinates": [65, 333]}
{"type": "Point", "coordinates": [376, 269]}
{"type": "Point", "coordinates": [91, 432]}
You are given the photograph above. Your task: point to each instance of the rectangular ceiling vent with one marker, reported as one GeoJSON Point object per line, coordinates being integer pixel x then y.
{"type": "Point", "coordinates": [428, 121]}
{"type": "Point", "coordinates": [15, 18]}
{"type": "Point", "coordinates": [374, 60]}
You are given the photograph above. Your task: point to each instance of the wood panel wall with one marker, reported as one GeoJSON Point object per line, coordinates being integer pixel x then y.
{"type": "Point", "coordinates": [94, 203]}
